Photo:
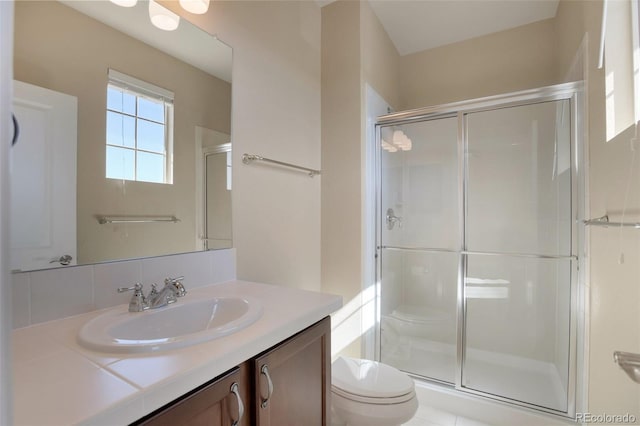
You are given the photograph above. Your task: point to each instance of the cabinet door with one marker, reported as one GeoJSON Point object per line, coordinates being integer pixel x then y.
{"type": "Point", "coordinates": [213, 404]}
{"type": "Point", "coordinates": [292, 380]}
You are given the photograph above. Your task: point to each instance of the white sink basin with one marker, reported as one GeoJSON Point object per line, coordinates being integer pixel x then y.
{"type": "Point", "coordinates": [177, 325]}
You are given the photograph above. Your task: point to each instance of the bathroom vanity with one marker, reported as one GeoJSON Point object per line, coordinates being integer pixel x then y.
{"type": "Point", "coordinates": [280, 365]}
{"type": "Point", "coordinates": [287, 384]}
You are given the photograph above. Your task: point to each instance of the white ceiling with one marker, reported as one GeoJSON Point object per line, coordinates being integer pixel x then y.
{"type": "Point", "coordinates": [416, 25]}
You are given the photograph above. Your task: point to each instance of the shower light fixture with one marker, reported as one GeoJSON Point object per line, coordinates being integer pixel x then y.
{"type": "Point", "coordinates": [195, 6]}
{"type": "Point", "coordinates": [162, 17]}
{"type": "Point", "coordinates": [394, 140]}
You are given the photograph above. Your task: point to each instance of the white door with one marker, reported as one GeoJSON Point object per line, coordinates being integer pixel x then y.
{"type": "Point", "coordinates": [43, 178]}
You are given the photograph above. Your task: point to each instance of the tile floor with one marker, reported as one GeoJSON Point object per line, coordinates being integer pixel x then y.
{"type": "Point", "coordinates": [444, 408]}
{"type": "Point", "coordinates": [429, 416]}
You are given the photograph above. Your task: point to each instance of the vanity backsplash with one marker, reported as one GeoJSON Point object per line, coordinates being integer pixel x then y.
{"type": "Point", "coordinates": [46, 295]}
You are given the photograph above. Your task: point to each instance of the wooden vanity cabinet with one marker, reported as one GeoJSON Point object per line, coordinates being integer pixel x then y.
{"type": "Point", "coordinates": [287, 385]}
{"type": "Point", "coordinates": [293, 380]}
{"type": "Point", "coordinates": [212, 404]}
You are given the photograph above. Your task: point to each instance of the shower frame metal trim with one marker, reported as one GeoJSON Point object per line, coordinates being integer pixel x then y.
{"type": "Point", "coordinates": [461, 307]}
{"type": "Point", "coordinates": [566, 91]}
{"type": "Point", "coordinates": [481, 253]}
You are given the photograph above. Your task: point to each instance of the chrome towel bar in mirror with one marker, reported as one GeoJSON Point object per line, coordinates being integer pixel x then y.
{"type": "Point", "coordinates": [136, 219]}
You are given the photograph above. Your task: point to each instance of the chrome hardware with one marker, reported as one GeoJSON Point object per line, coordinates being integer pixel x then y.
{"type": "Point", "coordinates": [604, 221]}
{"type": "Point", "coordinates": [177, 283]}
{"type": "Point", "coordinates": [16, 130]}
{"type": "Point", "coordinates": [173, 288]}
{"type": "Point", "coordinates": [102, 220]}
{"type": "Point", "coordinates": [235, 391]}
{"type": "Point", "coordinates": [481, 253]}
{"type": "Point", "coordinates": [161, 298]}
{"type": "Point", "coordinates": [392, 219]}
{"type": "Point", "coordinates": [63, 260]}
{"type": "Point", "coordinates": [264, 371]}
{"type": "Point", "coordinates": [248, 158]}
{"type": "Point", "coordinates": [153, 293]}
{"type": "Point", "coordinates": [138, 302]}
{"type": "Point", "coordinates": [630, 363]}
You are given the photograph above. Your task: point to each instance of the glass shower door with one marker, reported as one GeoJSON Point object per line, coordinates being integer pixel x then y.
{"type": "Point", "coordinates": [419, 240]}
{"type": "Point", "coordinates": [519, 262]}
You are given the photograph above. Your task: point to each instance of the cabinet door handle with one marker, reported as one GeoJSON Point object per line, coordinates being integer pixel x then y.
{"type": "Point", "coordinates": [265, 372]}
{"type": "Point", "coordinates": [16, 130]}
{"type": "Point", "coordinates": [234, 390]}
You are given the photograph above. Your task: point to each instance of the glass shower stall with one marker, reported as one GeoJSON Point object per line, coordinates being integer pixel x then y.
{"type": "Point", "coordinates": [477, 245]}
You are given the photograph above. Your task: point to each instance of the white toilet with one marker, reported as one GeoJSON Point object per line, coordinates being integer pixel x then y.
{"type": "Point", "coordinates": [370, 393]}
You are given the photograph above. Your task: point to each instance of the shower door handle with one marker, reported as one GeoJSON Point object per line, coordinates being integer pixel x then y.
{"type": "Point", "coordinates": [392, 219]}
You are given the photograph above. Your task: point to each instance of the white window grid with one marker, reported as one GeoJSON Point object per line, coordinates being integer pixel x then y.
{"type": "Point", "coordinates": [142, 89]}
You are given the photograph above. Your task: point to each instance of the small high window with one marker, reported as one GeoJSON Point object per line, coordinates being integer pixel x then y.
{"type": "Point", "coordinates": [139, 130]}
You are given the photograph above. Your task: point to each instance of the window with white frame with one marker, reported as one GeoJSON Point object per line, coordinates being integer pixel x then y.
{"type": "Point", "coordinates": [139, 139]}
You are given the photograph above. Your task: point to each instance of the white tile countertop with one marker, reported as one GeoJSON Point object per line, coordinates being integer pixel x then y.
{"type": "Point", "coordinates": [58, 382]}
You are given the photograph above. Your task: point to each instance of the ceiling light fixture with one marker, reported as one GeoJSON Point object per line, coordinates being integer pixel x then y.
{"type": "Point", "coordinates": [125, 3]}
{"type": "Point", "coordinates": [195, 6]}
{"type": "Point", "coordinates": [162, 17]}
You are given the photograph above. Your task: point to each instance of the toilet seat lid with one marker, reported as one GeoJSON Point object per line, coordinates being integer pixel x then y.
{"type": "Point", "coordinates": [369, 378]}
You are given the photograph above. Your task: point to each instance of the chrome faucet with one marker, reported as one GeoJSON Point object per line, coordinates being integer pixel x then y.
{"type": "Point", "coordinates": [138, 302]}
{"type": "Point", "coordinates": [173, 288]}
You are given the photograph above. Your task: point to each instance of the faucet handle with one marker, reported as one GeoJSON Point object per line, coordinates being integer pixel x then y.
{"type": "Point", "coordinates": [138, 302]}
{"type": "Point", "coordinates": [180, 291]}
{"type": "Point", "coordinates": [137, 287]}
{"type": "Point", "coordinates": [153, 292]}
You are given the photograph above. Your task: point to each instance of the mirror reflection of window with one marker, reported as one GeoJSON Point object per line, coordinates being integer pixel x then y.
{"type": "Point", "coordinates": [55, 48]}
{"type": "Point", "coordinates": [139, 130]}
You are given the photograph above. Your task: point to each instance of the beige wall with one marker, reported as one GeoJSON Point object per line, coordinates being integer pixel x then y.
{"type": "Point", "coordinates": [381, 63]}
{"type": "Point", "coordinates": [613, 290]}
{"type": "Point", "coordinates": [355, 51]}
{"type": "Point", "coordinates": [342, 157]}
{"type": "Point", "coordinates": [76, 62]}
{"type": "Point", "coordinates": [507, 61]}
{"type": "Point", "coordinates": [276, 113]}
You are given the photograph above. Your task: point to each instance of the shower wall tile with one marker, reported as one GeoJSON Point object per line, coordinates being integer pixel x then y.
{"type": "Point", "coordinates": [51, 294]}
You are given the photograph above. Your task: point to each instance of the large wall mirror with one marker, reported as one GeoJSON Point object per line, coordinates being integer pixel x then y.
{"type": "Point", "coordinates": [125, 140]}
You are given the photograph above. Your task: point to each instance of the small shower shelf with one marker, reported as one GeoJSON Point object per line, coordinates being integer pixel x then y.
{"type": "Point", "coordinates": [604, 222]}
